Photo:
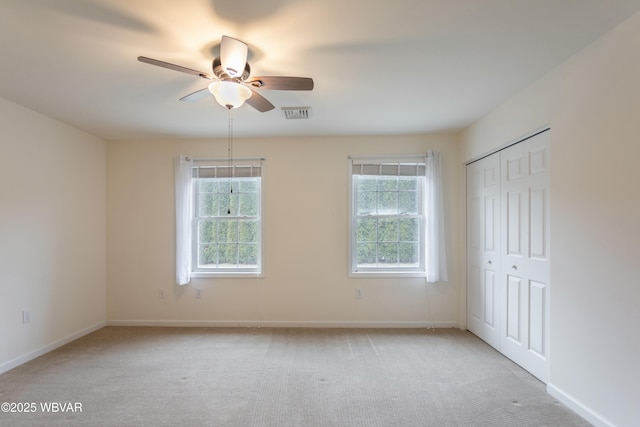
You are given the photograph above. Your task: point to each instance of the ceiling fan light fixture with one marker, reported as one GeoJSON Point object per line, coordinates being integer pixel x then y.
{"type": "Point", "coordinates": [229, 94]}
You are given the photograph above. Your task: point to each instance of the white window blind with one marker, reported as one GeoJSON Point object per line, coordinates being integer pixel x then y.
{"type": "Point", "coordinates": [222, 168]}
{"type": "Point", "coordinates": [388, 169]}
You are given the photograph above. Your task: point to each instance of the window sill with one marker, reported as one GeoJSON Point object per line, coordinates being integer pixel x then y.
{"type": "Point", "coordinates": [226, 275]}
{"type": "Point", "coordinates": [387, 274]}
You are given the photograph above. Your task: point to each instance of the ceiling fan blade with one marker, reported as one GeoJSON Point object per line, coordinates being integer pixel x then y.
{"type": "Point", "coordinates": [197, 95]}
{"type": "Point", "coordinates": [175, 67]}
{"type": "Point", "coordinates": [233, 56]}
{"type": "Point", "coordinates": [281, 83]}
{"type": "Point", "coordinates": [259, 102]}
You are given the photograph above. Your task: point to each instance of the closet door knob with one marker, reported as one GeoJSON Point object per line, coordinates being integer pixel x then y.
{"type": "Point", "coordinates": [489, 262]}
{"type": "Point", "coordinates": [514, 267]}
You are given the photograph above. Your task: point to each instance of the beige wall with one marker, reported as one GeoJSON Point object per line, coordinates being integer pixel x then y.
{"type": "Point", "coordinates": [52, 233]}
{"type": "Point", "coordinates": [52, 250]}
{"type": "Point", "coordinates": [592, 104]}
{"type": "Point", "coordinates": [306, 272]}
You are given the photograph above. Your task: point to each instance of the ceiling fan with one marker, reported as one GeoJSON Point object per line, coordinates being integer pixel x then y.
{"type": "Point", "coordinates": [232, 85]}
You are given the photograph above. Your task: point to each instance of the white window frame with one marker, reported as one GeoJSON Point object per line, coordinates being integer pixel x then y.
{"type": "Point", "coordinates": [218, 168]}
{"type": "Point", "coordinates": [419, 161]}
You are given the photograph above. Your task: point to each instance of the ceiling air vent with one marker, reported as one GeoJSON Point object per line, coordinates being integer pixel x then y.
{"type": "Point", "coordinates": [296, 112]}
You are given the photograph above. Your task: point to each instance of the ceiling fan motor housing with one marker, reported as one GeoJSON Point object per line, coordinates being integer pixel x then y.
{"type": "Point", "coordinates": [221, 74]}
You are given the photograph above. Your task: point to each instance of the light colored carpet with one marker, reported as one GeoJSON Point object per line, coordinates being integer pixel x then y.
{"type": "Point", "coordinates": [135, 376]}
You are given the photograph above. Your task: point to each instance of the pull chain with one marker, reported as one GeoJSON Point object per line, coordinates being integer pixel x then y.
{"type": "Point", "coordinates": [230, 154]}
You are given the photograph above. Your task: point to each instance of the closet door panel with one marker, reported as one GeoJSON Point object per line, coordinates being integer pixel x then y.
{"type": "Point", "coordinates": [474, 298]}
{"type": "Point", "coordinates": [512, 312]}
{"type": "Point", "coordinates": [538, 224]}
{"type": "Point", "coordinates": [483, 248]}
{"type": "Point", "coordinates": [491, 235]}
{"type": "Point", "coordinates": [525, 235]}
{"type": "Point", "coordinates": [513, 223]}
{"type": "Point", "coordinates": [490, 297]}
{"type": "Point", "coordinates": [537, 307]}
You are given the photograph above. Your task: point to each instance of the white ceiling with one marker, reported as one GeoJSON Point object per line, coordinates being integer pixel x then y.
{"type": "Point", "coordinates": [379, 66]}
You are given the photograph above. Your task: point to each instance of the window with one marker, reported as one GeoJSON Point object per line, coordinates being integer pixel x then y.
{"type": "Point", "coordinates": [227, 226]}
{"type": "Point", "coordinates": [387, 219]}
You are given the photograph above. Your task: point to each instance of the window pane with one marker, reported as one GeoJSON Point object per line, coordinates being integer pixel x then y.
{"type": "Point", "coordinates": [408, 202]}
{"type": "Point", "coordinates": [387, 202]}
{"type": "Point", "coordinates": [409, 230]}
{"type": "Point", "coordinates": [388, 253]}
{"type": "Point", "coordinates": [223, 204]}
{"type": "Point", "coordinates": [248, 255]}
{"type": "Point", "coordinates": [387, 183]}
{"type": "Point", "coordinates": [208, 186]}
{"type": "Point", "coordinates": [365, 183]}
{"type": "Point", "coordinates": [407, 183]}
{"type": "Point", "coordinates": [366, 203]}
{"type": "Point", "coordinates": [207, 255]}
{"type": "Point", "coordinates": [408, 254]}
{"type": "Point", "coordinates": [248, 185]}
{"type": "Point", "coordinates": [215, 205]}
{"type": "Point", "coordinates": [207, 231]}
{"type": "Point", "coordinates": [233, 199]}
{"type": "Point", "coordinates": [228, 255]}
{"type": "Point", "coordinates": [367, 230]}
{"type": "Point", "coordinates": [223, 184]}
{"type": "Point", "coordinates": [228, 231]}
{"type": "Point", "coordinates": [248, 231]}
{"type": "Point", "coordinates": [207, 204]}
{"type": "Point", "coordinates": [366, 254]}
{"type": "Point", "coordinates": [248, 204]}
{"type": "Point", "coordinates": [387, 230]}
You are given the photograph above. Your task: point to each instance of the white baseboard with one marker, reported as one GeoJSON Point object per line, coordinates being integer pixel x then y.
{"type": "Point", "coordinates": [282, 324]}
{"type": "Point", "coordinates": [577, 407]}
{"type": "Point", "coordinates": [7, 366]}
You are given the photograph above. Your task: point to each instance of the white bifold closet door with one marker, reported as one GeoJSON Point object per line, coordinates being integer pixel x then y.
{"type": "Point", "coordinates": [483, 248]}
{"type": "Point", "coordinates": [519, 305]}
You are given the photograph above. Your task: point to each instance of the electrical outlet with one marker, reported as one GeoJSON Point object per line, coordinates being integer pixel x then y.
{"type": "Point", "coordinates": [198, 293]}
{"type": "Point", "coordinates": [161, 293]}
{"type": "Point", "coordinates": [26, 316]}
{"type": "Point", "coordinates": [358, 293]}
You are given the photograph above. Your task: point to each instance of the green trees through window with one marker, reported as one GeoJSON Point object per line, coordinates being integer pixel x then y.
{"type": "Point", "coordinates": [228, 223]}
{"type": "Point", "coordinates": [388, 218]}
